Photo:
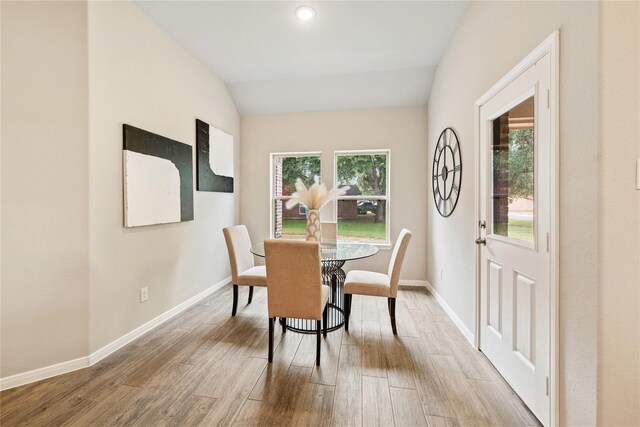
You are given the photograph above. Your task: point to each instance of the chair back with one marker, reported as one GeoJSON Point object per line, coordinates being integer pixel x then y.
{"type": "Point", "coordinates": [329, 231]}
{"type": "Point", "coordinates": [397, 258]}
{"type": "Point", "coordinates": [239, 247]}
{"type": "Point", "coordinates": [293, 279]}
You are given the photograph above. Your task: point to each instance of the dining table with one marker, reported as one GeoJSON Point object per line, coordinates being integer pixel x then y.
{"type": "Point", "coordinates": [333, 257]}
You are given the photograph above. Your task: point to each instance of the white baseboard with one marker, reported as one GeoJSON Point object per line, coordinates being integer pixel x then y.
{"type": "Point", "coordinates": [418, 283]}
{"type": "Point", "coordinates": [113, 346]}
{"type": "Point", "coordinates": [84, 362]}
{"type": "Point", "coordinates": [456, 320]}
{"type": "Point", "coordinates": [43, 373]}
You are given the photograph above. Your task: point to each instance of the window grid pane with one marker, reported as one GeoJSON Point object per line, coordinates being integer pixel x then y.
{"type": "Point", "coordinates": [364, 174]}
{"type": "Point", "coordinates": [286, 170]}
{"type": "Point", "coordinates": [291, 224]}
{"type": "Point", "coordinates": [362, 220]}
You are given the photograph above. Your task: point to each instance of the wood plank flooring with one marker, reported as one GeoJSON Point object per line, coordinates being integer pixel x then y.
{"type": "Point", "coordinates": [204, 367]}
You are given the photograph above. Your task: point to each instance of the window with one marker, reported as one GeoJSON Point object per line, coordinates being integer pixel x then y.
{"type": "Point", "coordinates": [286, 168]}
{"type": "Point", "coordinates": [363, 212]}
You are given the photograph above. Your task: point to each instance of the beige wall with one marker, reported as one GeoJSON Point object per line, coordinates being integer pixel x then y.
{"type": "Point", "coordinates": [492, 38]}
{"type": "Point", "coordinates": [140, 76]}
{"type": "Point", "coordinates": [619, 222]}
{"type": "Point", "coordinates": [403, 130]}
{"type": "Point", "coordinates": [72, 74]}
{"type": "Point", "coordinates": [45, 173]}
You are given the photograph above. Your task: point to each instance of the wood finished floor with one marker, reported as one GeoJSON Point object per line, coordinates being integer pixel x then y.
{"type": "Point", "coordinates": [204, 367]}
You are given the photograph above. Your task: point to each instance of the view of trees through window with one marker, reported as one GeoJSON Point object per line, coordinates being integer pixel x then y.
{"type": "Point", "coordinates": [307, 168]}
{"type": "Point", "coordinates": [520, 164]}
{"type": "Point", "coordinates": [513, 164]}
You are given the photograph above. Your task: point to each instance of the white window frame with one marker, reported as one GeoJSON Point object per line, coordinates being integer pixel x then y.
{"type": "Point", "coordinates": [387, 197]}
{"type": "Point", "coordinates": [272, 197]}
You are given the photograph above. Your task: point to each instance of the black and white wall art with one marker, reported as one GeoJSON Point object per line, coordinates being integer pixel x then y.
{"type": "Point", "coordinates": [158, 179]}
{"type": "Point", "coordinates": [214, 160]}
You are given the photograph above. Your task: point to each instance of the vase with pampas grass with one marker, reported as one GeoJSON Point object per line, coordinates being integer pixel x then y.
{"type": "Point", "coordinates": [314, 198]}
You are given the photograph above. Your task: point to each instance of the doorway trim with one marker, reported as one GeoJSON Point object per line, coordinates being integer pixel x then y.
{"type": "Point", "coordinates": [550, 45]}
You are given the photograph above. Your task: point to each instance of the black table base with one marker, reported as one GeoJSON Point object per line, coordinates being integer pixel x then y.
{"type": "Point", "coordinates": [332, 276]}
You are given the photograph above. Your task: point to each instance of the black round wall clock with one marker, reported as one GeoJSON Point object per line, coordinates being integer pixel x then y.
{"type": "Point", "coordinates": [447, 172]}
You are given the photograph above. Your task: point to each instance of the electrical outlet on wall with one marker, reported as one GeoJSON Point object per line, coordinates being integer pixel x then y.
{"type": "Point", "coordinates": [441, 273]}
{"type": "Point", "coordinates": [144, 294]}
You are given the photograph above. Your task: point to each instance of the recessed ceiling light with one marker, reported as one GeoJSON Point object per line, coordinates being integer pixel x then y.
{"type": "Point", "coordinates": [305, 13]}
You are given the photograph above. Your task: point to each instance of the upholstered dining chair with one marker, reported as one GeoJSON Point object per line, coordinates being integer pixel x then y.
{"type": "Point", "coordinates": [329, 231]}
{"type": "Point", "coordinates": [378, 284]}
{"type": "Point", "coordinates": [244, 272]}
{"type": "Point", "coordinates": [294, 285]}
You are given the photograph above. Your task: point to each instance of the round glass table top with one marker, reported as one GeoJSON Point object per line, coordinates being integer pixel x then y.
{"type": "Point", "coordinates": [340, 251]}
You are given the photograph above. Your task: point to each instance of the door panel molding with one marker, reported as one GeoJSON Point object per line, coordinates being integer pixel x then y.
{"type": "Point", "coordinates": [494, 297]}
{"type": "Point", "coordinates": [524, 310]}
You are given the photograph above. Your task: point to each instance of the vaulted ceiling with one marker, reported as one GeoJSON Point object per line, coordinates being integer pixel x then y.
{"type": "Point", "coordinates": [351, 55]}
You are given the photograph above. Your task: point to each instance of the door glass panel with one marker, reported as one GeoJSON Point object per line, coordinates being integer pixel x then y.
{"type": "Point", "coordinates": [512, 173]}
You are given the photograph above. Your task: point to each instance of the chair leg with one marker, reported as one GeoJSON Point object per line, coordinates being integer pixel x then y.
{"type": "Point", "coordinates": [234, 310]}
{"type": "Point", "coordinates": [392, 312]}
{"type": "Point", "coordinates": [317, 343]}
{"type": "Point", "coordinates": [325, 315]}
{"type": "Point", "coordinates": [270, 339]}
{"type": "Point", "coordinates": [283, 321]}
{"type": "Point", "coordinates": [389, 305]}
{"type": "Point", "coordinates": [250, 294]}
{"type": "Point", "coordinates": [347, 310]}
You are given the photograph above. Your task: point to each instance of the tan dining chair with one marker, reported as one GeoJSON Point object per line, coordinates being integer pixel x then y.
{"type": "Point", "coordinates": [378, 284]}
{"type": "Point", "coordinates": [329, 231]}
{"type": "Point", "coordinates": [244, 272]}
{"type": "Point", "coordinates": [294, 285]}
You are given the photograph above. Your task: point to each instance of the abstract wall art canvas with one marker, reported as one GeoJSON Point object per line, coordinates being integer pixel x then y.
{"type": "Point", "coordinates": [214, 160]}
{"type": "Point", "coordinates": [158, 179]}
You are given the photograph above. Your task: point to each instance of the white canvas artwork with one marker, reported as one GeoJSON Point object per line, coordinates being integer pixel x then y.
{"type": "Point", "coordinates": [152, 190]}
{"type": "Point", "coordinates": [221, 152]}
{"type": "Point", "coordinates": [214, 159]}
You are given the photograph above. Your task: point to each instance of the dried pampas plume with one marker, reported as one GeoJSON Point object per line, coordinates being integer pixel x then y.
{"type": "Point", "coordinates": [314, 197]}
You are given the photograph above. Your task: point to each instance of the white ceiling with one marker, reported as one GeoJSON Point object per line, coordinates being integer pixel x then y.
{"type": "Point", "coordinates": [352, 55]}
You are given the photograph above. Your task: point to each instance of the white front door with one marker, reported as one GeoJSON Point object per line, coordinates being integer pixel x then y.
{"type": "Point", "coordinates": [514, 208]}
